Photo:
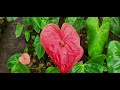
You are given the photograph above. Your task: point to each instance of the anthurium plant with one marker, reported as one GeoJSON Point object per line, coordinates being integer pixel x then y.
{"type": "Point", "coordinates": [80, 45]}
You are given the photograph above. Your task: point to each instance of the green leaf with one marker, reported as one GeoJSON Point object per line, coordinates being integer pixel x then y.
{"type": "Point", "coordinates": [77, 22]}
{"type": "Point", "coordinates": [27, 35]}
{"type": "Point", "coordinates": [70, 20]}
{"type": "Point", "coordinates": [105, 68]}
{"type": "Point", "coordinates": [113, 57]}
{"type": "Point", "coordinates": [78, 68]}
{"type": "Point", "coordinates": [115, 26]}
{"type": "Point", "coordinates": [19, 29]}
{"type": "Point", "coordinates": [13, 60]}
{"type": "Point", "coordinates": [27, 21]}
{"type": "Point", "coordinates": [52, 70]}
{"type": "Point", "coordinates": [53, 20]}
{"type": "Point", "coordinates": [20, 68]}
{"type": "Point", "coordinates": [26, 50]}
{"type": "Point", "coordinates": [94, 65]}
{"type": "Point", "coordinates": [14, 18]}
{"type": "Point", "coordinates": [36, 23]}
{"type": "Point", "coordinates": [33, 37]}
{"type": "Point", "coordinates": [38, 47]}
{"type": "Point", "coordinates": [39, 23]}
{"type": "Point", "coordinates": [43, 23]}
{"type": "Point", "coordinates": [15, 65]}
{"type": "Point", "coordinates": [97, 36]}
{"type": "Point", "coordinates": [9, 19]}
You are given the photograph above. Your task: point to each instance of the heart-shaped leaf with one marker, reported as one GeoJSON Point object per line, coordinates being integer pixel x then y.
{"type": "Point", "coordinates": [52, 70]}
{"type": "Point", "coordinates": [20, 68]}
{"type": "Point", "coordinates": [113, 57]}
{"type": "Point", "coordinates": [38, 47]}
{"type": "Point", "coordinates": [115, 26]}
{"type": "Point", "coordinates": [97, 36]}
{"type": "Point", "coordinates": [77, 22]}
{"type": "Point", "coordinates": [63, 46]}
{"type": "Point", "coordinates": [19, 29]}
{"type": "Point", "coordinates": [94, 65]}
{"type": "Point", "coordinates": [13, 60]}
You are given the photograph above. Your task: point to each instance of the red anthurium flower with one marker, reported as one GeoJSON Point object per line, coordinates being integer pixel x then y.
{"type": "Point", "coordinates": [63, 46]}
{"type": "Point", "coordinates": [25, 59]}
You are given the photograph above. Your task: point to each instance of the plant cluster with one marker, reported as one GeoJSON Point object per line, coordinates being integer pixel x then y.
{"type": "Point", "coordinates": [62, 45]}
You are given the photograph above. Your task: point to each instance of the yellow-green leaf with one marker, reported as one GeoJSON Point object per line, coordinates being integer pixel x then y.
{"type": "Point", "coordinates": [97, 36]}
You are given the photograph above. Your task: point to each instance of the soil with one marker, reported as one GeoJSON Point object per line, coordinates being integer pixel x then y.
{"type": "Point", "coordinates": [9, 45]}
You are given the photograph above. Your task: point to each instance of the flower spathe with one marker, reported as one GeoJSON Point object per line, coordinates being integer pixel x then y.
{"type": "Point", "coordinates": [25, 59]}
{"type": "Point", "coordinates": [62, 45]}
